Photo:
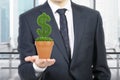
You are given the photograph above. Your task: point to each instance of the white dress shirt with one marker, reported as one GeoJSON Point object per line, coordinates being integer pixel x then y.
{"type": "Point", "coordinates": [69, 16]}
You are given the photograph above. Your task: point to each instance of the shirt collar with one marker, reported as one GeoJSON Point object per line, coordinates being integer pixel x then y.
{"type": "Point", "coordinates": [56, 7]}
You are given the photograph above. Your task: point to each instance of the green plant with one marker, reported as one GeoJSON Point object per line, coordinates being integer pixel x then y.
{"type": "Point", "coordinates": [45, 29]}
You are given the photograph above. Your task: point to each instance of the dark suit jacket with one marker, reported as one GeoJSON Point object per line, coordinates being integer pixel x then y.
{"type": "Point", "coordinates": [89, 57]}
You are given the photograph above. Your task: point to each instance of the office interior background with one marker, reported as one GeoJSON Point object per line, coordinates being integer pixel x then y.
{"type": "Point", "coordinates": [9, 24]}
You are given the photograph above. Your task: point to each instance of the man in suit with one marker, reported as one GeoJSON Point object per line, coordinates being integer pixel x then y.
{"type": "Point", "coordinates": [86, 38]}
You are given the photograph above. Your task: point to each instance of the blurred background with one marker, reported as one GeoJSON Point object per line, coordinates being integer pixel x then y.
{"type": "Point", "coordinates": [9, 24]}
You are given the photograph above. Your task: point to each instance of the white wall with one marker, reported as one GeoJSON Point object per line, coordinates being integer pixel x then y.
{"type": "Point", "coordinates": [88, 3]}
{"type": "Point", "coordinates": [119, 18]}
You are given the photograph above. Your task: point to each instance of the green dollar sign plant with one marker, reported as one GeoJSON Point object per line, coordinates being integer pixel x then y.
{"type": "Point", "coordinates": [44, 43]}
{"type": "Point", "coordinates": [45, 30]}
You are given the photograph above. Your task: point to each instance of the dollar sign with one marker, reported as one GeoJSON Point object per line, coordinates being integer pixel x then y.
{"type": "Point", "coordinates": [42, 21]}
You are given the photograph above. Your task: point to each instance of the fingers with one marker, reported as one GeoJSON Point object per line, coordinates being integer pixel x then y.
{"type": "Point", "coordinates": [50, 62]}
{"type": "Point", "coordinates": [28, 58]}
{"type": "Point", "coordinates": [31, 58]}
{"type": "Point", "coordinates": [42, 63]}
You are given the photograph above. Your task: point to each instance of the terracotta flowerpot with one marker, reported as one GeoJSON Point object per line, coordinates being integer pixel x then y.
{"type": "Point", "coordinates": [44, 49]}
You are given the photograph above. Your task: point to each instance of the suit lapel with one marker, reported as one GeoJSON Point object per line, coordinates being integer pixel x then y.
{"type": "Point", "coordinates": [55, 31]}
{"type": "Point", "coordinates": [79, 27]}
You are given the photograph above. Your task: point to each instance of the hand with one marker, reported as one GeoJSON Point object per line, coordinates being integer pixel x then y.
{"type": "Point", "coordinates": [42, 63]}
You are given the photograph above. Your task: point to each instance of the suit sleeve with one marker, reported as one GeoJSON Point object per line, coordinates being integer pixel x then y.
{"type": "Point", "coordinates": [25, 48]}
{"type": "Point", "coordinates": [100, 67]}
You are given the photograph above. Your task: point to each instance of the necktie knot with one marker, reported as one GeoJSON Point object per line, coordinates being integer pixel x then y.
{"type": "Point", "coordinates": [61, 11]}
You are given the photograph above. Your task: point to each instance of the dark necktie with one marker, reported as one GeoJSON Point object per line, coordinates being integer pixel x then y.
{"type": "Point", "coordinates": [64, 31]}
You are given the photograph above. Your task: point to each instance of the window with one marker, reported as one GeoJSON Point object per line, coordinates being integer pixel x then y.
{"type": "Point", "coordinates": [38, 2]}
{"type": "Point", "coordinates": [110, 11]}
{"type": "Point", "coordinates": [17, 7]}
{"type": "Point", "coordinates": [4, 21]}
